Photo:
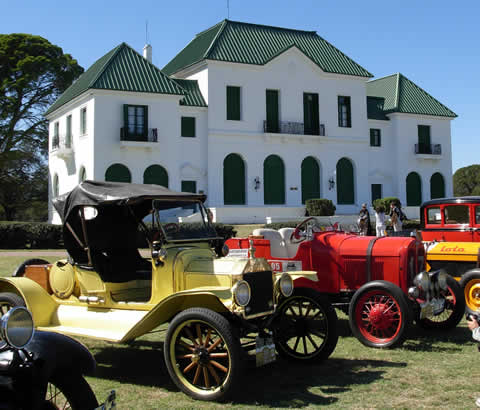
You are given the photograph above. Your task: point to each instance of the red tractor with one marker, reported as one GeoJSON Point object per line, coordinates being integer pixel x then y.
{"type": "Point", "coordinates": [379, 282]}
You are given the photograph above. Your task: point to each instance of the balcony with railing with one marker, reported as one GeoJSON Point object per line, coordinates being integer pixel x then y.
{"type": "Point", "coordinates": [151, 135]}
{"type": "Point", "coordinates": [290, 127]}
{"type": "Point", "coordinates": [62, 145]}
{"type": "Point", "coordinates": [428, 149]}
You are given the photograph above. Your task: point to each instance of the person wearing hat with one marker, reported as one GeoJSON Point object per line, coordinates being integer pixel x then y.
{"type": "Point", "coordinates": [364, 221]}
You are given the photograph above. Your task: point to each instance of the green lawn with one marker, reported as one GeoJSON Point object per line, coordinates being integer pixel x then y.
{"type": "Point", "coordinates": [431, 370]}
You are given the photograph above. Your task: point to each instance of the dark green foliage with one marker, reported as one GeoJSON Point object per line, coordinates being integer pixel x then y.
{"type": "Point", "coordinates": [466, 181]}
{"type": "Point", "coordinates": [289, 224]}
{"type": "Point", "coordinates": [320, 207]}
{"type": "Point", "coordinates": [30, 235]}
{"type": "Point", "coordinates": [385, 202]}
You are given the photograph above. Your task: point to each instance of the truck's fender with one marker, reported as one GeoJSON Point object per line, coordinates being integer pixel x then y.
{"type": "Point", "coordinates": [302, 278]}
{"type": "Point", "coordinates": [168, 308]}
{"type": "Point", "coordinates": [36, 298]}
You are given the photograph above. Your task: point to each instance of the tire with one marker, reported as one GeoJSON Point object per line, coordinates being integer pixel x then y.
{"type": "Point", "coordinates": [305, 328]}
{"type": "Point", "coordinates": [20, 271]}
{"type": "Point", "coordinates": [454, 309]}
{"type": "Point", "coordinates": [202, 355]}
{"type": "Point", "coordinates": [69, 392]}
{"type": "Point", "coordinates": [380, 315]}
{"type": "Point", "coordinates": [470, 284]}
{"type": "Point", "coordinates": [9, 300]}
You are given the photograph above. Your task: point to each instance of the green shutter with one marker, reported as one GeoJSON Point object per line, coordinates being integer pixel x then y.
{"type": "Point", "coordinates": [145, 121]}
{"type": "Point", "coordinates": [188, 127]}
{"type": "Point", "coordinates": [424, 139]}
{"type": "Point", "coordinates": [310, 179]}
{"type": "Point", "coordinates": [124, 133]}
{"type": "Point", "coordinates": [414, 189]}
{"type": "Point", "coordinates": [118, 173]}
{"type": "Point", "coordinates": [272, 111]}
{"type": "Point", "coordinates": [233, 103]}
{"type": "Point", "coordinates": [437, 186]}
{"type": "Point", "coordinates": [372, 137]}
{"type": "Point", "coordinates": [156, 174]}
{"type": "Point", "coordinates": [233, 180]}
{"type": "Point", "coordinates": [311, 120]}
{"type": "Point", "coordinates": [345, 182]}
{"type": "Point", "coordinates": [273, 181]}
{"type": "Point", "coordinates": [376, 191]}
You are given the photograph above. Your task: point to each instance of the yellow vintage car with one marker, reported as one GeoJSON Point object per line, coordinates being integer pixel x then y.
{"type": "Point", "coordinates": [460, 260]}
{"type": "Point", "coordinates": [221, 310]}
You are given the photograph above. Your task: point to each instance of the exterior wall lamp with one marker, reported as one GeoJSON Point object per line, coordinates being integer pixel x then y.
{"type": "Point", "coordinates": [331, 183]}
{"type": "Point", "coordinates": [256, 183]}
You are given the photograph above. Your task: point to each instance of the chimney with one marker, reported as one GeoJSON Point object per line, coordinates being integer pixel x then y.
{"type": "Point", "coordinates": [147, 52]}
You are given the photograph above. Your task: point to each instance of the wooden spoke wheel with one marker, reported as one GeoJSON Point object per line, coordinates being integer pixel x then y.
{"type": "Point", "coordinates": [306, 326]}
{"type": "Point", "coordinates": [69, 392]}
{"type": "Point", "coordinates": [202, 355]}
{"type": "Point", "coordinates": [380, 315]}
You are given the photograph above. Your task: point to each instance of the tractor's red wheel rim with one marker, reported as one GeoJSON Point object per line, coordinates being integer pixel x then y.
{"type": "Point", "coordinates": [378, 316]}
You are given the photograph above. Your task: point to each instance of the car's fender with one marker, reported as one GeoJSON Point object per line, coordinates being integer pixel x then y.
{"type": "Point", "coordinates": [210, 298]}
{"type": "Point", "coordinates": [302, 279]}
{"type": "Point", "coordinates": [36, 298]}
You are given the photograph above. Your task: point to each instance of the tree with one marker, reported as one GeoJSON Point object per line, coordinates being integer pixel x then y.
{"type": "Point", "coordinates": [466, 181]}
{"type": "Point", "coordinates": [33, 73]}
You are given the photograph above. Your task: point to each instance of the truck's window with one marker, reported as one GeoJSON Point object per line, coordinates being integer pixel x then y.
{"type": "Point", "coordinates": [477, 215]}
{"type": "Point", "coordinates": [434, 217]}
{"type": "Point", "coordinates": [457, 214]}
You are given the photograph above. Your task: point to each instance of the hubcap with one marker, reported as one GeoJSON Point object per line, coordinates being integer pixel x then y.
{"type": "Point", "coordinates": [472, 294]}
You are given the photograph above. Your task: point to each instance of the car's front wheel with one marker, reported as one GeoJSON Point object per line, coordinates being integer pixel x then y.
{"type": "Point", "coordinates": [202, 354]}
{"type": "Point", "coordinates": [305, 327]}
{"type": "Point", "coordinates": [470, 283]}
{"type": "Point", "coordinates": [380, 315]}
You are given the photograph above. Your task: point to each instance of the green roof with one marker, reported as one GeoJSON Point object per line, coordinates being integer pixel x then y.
{"type": "Point", "coordinates": [247, 43]}
{"type": "Point", "coordinates": [121, 69]}
{"type": "Point", "coordinates": [404, 96]}
{"type": "Point", "coordinates": [193, 97]}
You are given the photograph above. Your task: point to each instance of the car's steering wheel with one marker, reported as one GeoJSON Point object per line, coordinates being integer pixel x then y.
{"type": "Point", "coordinates": [299, 234]}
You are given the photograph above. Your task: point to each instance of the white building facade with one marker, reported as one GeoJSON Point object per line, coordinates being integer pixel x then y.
{"type": "Point", "coordinates": [260, 119]}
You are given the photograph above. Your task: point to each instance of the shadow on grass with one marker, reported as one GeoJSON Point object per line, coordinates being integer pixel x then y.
{"type": "Point", "coordinates": [281, 384]}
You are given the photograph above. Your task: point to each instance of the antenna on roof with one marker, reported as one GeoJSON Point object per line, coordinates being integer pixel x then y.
{"type": "Point", "coordinates": [147, 49]}
{"type": "Point", "coordinates": [146, 31]}
{"type": "Point", "coordinates": [228, 9]}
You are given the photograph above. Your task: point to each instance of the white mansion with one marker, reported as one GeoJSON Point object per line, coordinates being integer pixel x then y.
{"type": "Point", "coordinates": [259, 118]}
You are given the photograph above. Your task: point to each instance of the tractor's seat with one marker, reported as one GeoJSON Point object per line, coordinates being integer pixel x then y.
{"type": "Point", "coordinates": [277, 244]}
{"type": "Point", "coordinates": [290, 247]}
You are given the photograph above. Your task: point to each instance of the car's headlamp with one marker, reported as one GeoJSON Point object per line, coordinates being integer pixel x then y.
{"type": "Point", "coordinates": [16, 327]}
{"type": "Point", "coordinates": [242, 293]}
{"type": "Point", "coordinates": [422, 280]}
{"type": "Point", "coordinates": [442, 279]}
{"type": "Point", "coordinates": [286, 285]}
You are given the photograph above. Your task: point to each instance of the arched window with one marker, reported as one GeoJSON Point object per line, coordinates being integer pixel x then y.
{"type": "Point", "coordinates": [310, 179]}
{"type": "Point", "coordinates": [345, 182]}
{"type": "Point", "coordinates": [414, 189]}
{"type": "Point", "coordinates": [82, 175]}
{"type": "Point", "coordinates": [273, 180]}
{"type": "Point", "coordinates": [118, 173]}
{"type": "Point", "coordinates": [156, 174]}
{"type": "Point", "coordinates": [56, 185]}
{"type": "Point", "coordinates": [437, 186]}
{"type": "Point", "coordinates": [233, 180]}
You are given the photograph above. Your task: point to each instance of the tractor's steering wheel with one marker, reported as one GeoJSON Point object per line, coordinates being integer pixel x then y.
{"type": "Point", "coordinates": [300, 234]}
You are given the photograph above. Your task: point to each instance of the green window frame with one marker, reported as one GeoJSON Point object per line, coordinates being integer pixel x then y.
{"type": "Point", "coordinates": [68, 131]}
{"type": "Point", "coordinates": [83, 121]}
{"type": "Point", "coordinates": [311, 115]}
{"type": "Point", "coordinates": [424, 142]}
{"type": "Point", "coordinates": [118, 173]}
{"type": "Point", "coordinates": [273, 181]}
{"type": "Point", "coordinates": [135, 118]}
{"type": "Point", "coordinates": [188, 127]}
{"type": "Point", "coordinates": [375, 137]}
{"type": "Point", "coordinates": [344, 112]}
{"type": "Point", "coordinates": [233, 180]}
{"type": "Point", "coordinates": [437, 186]}
{"type": "Point", "coordinates": [414, 189]}
{"type": "Point", "coordinates": [376, 192]}
{"type": "Point", "coordinates": [234, 102]}
{"type": "Point", "coordinates": [345, 182]}
{"type": "Point", "coordinates": [156, 174]}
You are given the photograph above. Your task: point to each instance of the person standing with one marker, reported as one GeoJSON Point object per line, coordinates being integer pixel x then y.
{"type": "Point", "coordinates": [364, 221]}
{"type": "Point", "coordinates": [396, 216]}
{"type": "Point", "coordinates": [380, 220]}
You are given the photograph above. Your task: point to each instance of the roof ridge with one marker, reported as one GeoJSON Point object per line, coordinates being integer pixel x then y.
{"type": "Point", "coordinates": [215, 39]}
{"type": "Point", "coordinates": [275, 27]}
{"type": "Point", "coordinates": [397, 92]}
{"type": "Point", "coordinates": [107, 63]}
{"type": "Point", "coordinates": [210, 28]}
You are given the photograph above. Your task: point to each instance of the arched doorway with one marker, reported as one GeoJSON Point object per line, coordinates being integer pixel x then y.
{"type": "Point", "coordinates": [233, 180]}
{"type": "Point", "coordinates": [437, 186]}
{"type": "Point", "coordinates": [310, 179]}
{"type": "Point", "coordinates": [273, 181]}
{"type": "Point", "coordinates": [118, 173]}
{"type": "Point", "coordinates": [414, 189]}
{"type": "Point", "coordinates": [156, 174]}
{"type": "Point", "coordinates": [345, 182]}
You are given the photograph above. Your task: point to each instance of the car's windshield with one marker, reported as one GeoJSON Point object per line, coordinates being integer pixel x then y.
{"type": "Point", "coordinates": [188, 222]}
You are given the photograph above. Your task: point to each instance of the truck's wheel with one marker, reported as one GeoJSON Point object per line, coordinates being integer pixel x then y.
{"type": "Point", "coordinates": [8, 301]}
{"type": "Point", "coordinates": [20, 271]}
{"type": "Point", "coordinates": [306, 326]}
{"type": "Point", "coordinates": [380, 315]}
{"type": "Point", "coordinates": [454, 308]}
{"type": "Point", "coordinates": [202, 355]}
{"type": "Point", "coordinates": [470, 283]}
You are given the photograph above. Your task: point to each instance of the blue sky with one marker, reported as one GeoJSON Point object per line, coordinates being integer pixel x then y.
{"type": "Point", "coordinates": [436, 44]}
